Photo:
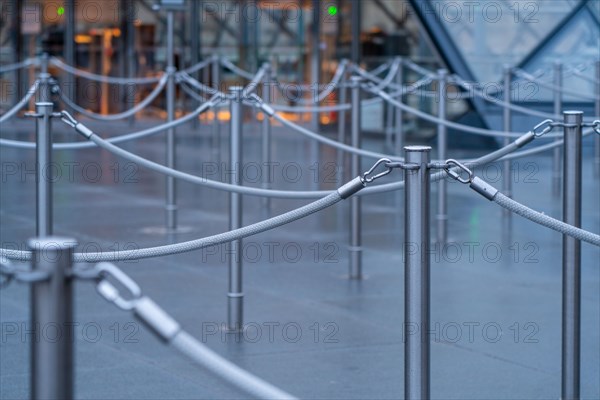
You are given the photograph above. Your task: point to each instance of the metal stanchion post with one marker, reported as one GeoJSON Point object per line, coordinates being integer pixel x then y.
{"type": "Point", "coordinates": [399, 136]}
{"type": "Point", "coordinates": [235, 296]}
{"type": "Point", "coordinates": [341, 137]}
{"type": "Point", "coordinates": [52, 311]}
{"type": "Point", "coordinates": [597, 115]}
{"type": "Point", "coordinates": [43, 156]}
{"type": "Point", "coordinates": [171, 206]}
{"type": "Point", "coordinates": [266, 134]}
{"type": "Point", "coordinates": [216, 128]}
{"type": "Point", "coordinates": [571, 256]}
{"type": "Point", "coordinates": [355, 201]}
{"type": "Point", "coordinates": [507, 125]}
{"type": "Point", "coordinates": [389, 123]}
{"type": "Point", "coordinates": [416, 275]}
{"type": "Point", "coordinates": [557, 111]}
{"type": "Point", "coordinates": [44, 92]}
{"type": "Point", "coordinates": [442, 146]}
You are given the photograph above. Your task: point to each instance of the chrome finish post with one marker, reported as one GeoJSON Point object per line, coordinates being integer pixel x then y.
{"type": "Point", "coordinates": [235, 296]}
{"type": "Point", "coordinates": [571, 257]}
{"type": "Point", "coordinates": [52, 311]}
{"type": "Point", "coordinates": [416, 275]}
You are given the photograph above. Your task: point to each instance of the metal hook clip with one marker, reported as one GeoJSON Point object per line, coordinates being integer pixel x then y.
{"type": "Point", "coordinates": [366, 179]}
{"type": "Point", "coordinates": [450, 162]}
{"type": "Point", "coordinates": [110, 292]}
{"type": "Point", "coordinates": [68, 119]}
{"type": "Point", "coordinates": [548, 126]}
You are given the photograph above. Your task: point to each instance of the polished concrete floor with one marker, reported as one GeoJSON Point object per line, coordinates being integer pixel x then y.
{"type": "Point", "coordinates": [495, 288]}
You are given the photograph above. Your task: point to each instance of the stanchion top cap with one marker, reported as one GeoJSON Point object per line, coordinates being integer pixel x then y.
{"type": "Point", "coordinates": [417, 148]}
{"type": "Point", "coordinates": [50, 243]}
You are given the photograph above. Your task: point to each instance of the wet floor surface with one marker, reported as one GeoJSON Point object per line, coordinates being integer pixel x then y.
{"type": "Point", "coordinates": [495, 287]}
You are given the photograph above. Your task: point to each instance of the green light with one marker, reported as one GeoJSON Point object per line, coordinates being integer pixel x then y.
{"type": "Point", "coordinates": [332, 10]}
{"type": "Point", "coordinates": [60, 10]}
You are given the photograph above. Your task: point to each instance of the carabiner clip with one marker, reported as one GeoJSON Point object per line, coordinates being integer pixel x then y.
{"type": "Point", "coordinates": [366, 179]}
{"type": "Point", "coordinates": [547, 124]}
{"type": "Point", "coordinates": [456, 176]}
{"type": "Point", "coordinates": [110, 292]}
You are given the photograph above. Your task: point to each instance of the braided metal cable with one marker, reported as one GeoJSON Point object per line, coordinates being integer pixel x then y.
{"type": "Point", "coordinates": [226, 370]}
{"type": "Point", "coordinates": [23, 64]}
{"type": "Point", "coordinates": [195, 68]}
{"type": "Point", "coordinates": [545, 220]}
{"type": "Point", "coordinates": [103, 78]}
{"type": "Point", "coordinates": [450, 124]}
{"type": "Point", "coordinates": [235, 69]}
{"type": "Point", "coordinates": [471, 88]}
{"type": "Point", "coordinates": [22, 103]}
{"type": "Point", "coordinates": [123, 138]}
{"type": "Point", "coordinates": [551, 86]}
{"type": "Point", "coordinates": [331, 142]}
{"type": "Point", "coordinates": [114, 117]}
{"type": "Point", "coordinates": [197, 244]}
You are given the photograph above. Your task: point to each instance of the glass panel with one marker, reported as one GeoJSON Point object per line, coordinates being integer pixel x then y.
{"type": "Point", "coordinates": [492, 33]}
{"type": "Point", "coordinates": [577, 46]}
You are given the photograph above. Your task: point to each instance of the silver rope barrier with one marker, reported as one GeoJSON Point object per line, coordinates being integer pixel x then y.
{"type": "Point", "coordinates": [123, 138]}
{"type": "Point", "coordinates": [103, 78]}
{"type": "Point", "coordinates": [22, 103]}
{"type": "Point", "coordinates": [114, 117]}
{"type": "Point", "coordinates": [190, 92]}
{"type": "Point", "coordinates": [449, 124]}
{"type": "Point", "coordinates": [308, 109]}
{"type": "Point", "coordinates": [583, 76]}
{"type": "Point", "coordinates": [235, 69]}
{"type": "Point", "coordinates": [551, 86]}
{"type": "Point", "coordinates": [417, 68]}
{"type": "Point", "coordinates": [200, 66]}
{"type": "Point", "coordinates": [331, 198]}
{"type": "Point", "coordinates": [23, 64]}
{"type": "Point", "coordinates": [327, 88]}
{"type": "Point", "coordinates": [470, 87]}
{"type": "Point", "coordinates": [343, 192]}
{"type": "Point", "coordinates": [306, 132]}
{"type": "Point", "coordinates": [256, 80]}
{"type": "Point", "coordinates": [199, 85]}
{"type": "Point", "coordinates": [492, 194]}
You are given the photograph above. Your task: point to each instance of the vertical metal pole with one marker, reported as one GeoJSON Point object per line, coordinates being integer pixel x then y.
{"type": "Point", "coordinates": [416, 275]}
{"type": "Point", "coordinates": [341, 137]}
{"type": "Point", "coordinates": [195, 46]}
{"type": "Point", "coordinates": [355, 26]}
{"type": "Point", "coordinates": [316, 60]}
{"type": "Point", "coordinates": [171, 206]}
{"type": "Point", "coordinates": [70, 49]}
{"type": "Point", "coordinates": [235, 296]}
{"type": "Point", "coordinates": [16, 6]}
{"type": "Point", "coordinates": [43, 200]}
{"type": "Point", "coordinates": [266, 134]}
{"type": "Point", "coordinates": [557, 111]}
{"type": "Point", "coordinates": [597, 115]}
{"type": "Point", "coordinates": [507, 124]}
{"type": "Point", "coordinates": [399, 136]}
{"type": "Point", "coordinates": [52, 319]}
{"type": "Point", "coordinates": [216, 128]}
{"type": "Point", "coordinates": [131, 56]}
{"type": "Point", "coordinates": [355, 201]}
{"type": "Point", "coordinates": [571, 256]}
{"type": "Point", "coordinates": [44, 92]}
{"type": "Point", "coordinates": [442, 147]}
